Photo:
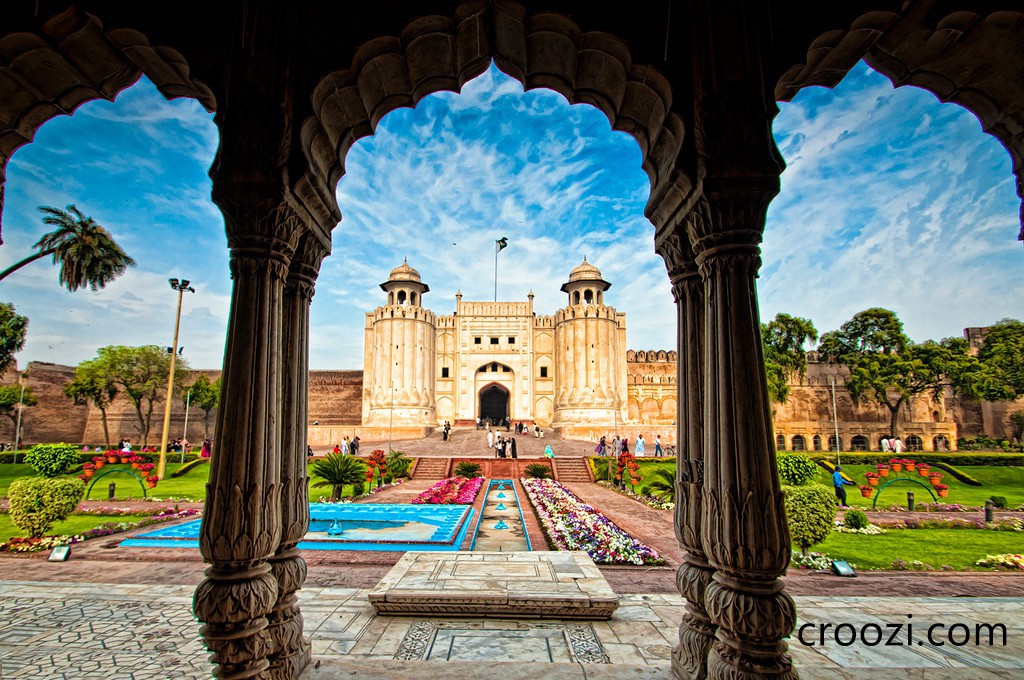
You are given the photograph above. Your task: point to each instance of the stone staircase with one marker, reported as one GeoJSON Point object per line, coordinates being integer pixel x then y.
{"type": "Point", "coordinates": [571, 470]}
{"type": "Point", "coordinates": [430, 468]}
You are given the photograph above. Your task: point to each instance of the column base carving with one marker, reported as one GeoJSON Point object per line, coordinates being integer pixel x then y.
{"type": "Point", "coordinates": [696, 632]}
{"type": "Point", "coordinates": [292, 652]}
{"type": "Point", "coordinates": [234, 606]}
{"type": "Point", "coordinates": [752, 617]}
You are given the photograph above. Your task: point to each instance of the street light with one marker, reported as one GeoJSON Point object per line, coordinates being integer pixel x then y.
{"type": "Point", "coordinates": [181, 287]}
{"type": "Point", "coordinates": [21, 405]}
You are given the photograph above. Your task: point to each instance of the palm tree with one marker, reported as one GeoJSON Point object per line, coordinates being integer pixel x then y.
{"type": "Point", "coordinates": [87, 253]}
{"type": "Point", "coordinates": [663, 484]}
{"type": "Point", "coordinates": [336, 471]}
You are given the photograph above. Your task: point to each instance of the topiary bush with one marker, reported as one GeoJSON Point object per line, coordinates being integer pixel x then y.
{"type": "Point", "coordinates": [856, 519]}
{"type": "Point", "coordinates": [53, 460]}
{"type": "Point", "coordinates": [38, 502]}
{"type": "Point", "coordinates": [998, 501]}
{"type": "Point", "coordinates": [467, 470]}
{"type": "Point", "coordinates": [811, 512]}
{"type": "Point", "coordinates": [795, 469]}
{"type": "Point", "coordinates": [537, 471]}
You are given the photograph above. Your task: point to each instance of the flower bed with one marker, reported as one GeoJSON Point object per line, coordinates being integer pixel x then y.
{"type": "Point", "coordinates": [27, 545]}
{"type": "Point", "coordinates": [451, 491]}
{"type": "Point", "coordinates": [1006, 561]}
{"type": "Point", "coordinates": [571, 524]}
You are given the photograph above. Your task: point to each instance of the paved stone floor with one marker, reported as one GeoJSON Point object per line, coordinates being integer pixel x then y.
{"type": "Point", "coordinates": [50, 630]}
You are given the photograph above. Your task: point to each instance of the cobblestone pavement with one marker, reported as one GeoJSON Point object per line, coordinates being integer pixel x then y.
{"type": "Point", "coordinates": [81, 631]}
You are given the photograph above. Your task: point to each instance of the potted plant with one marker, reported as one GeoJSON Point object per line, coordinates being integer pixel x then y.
{"type": "Point", "coordinates": [923, 469]}
{"type": "Point", "coordinates": [909, 464]}
{"type": "Point", "coordinates": [126, 457]}
{"type": "Point", "coordinates": [145, 469]}
{"type": "Point", "coordinates": [872, 478]}
{"type": "Point", "coordinates": [111, 456]}
{"type": "Point", "coordinates": [99, 461]}
{"type": "Point", "coordinates": [866, 491]}
{"type": "Point", "coordinates": [88, 469]}
{"type": "Point", "coordinates": [935, 478]}
{"type": "Point", "coordinates": [151, 480]}
{"type": "Point", "coordinates": [942, 490]}
{"type": "Point", "coordinates": [883, 469]}
{"type": "Point", "coordinates": [896, 464]}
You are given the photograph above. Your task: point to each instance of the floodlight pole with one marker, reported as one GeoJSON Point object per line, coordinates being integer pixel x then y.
{"type": "Point", "coordinates": [184, 436]}
{"type": "Point", "coordinates": [21, 407]}
{"type": "Point", "coordinates": [181, 287]}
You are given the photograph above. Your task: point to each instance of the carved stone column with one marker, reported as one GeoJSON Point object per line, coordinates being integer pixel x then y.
{"type": "Point", "coordinates": [291, 649]}
{"type": "Point", "coordinates": [242, 518]}
{"type": "Point", "coordinates": [744, 534]}
{"type": "Point", "coordinates": [697, 632]}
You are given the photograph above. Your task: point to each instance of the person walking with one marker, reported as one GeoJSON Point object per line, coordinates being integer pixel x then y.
{"type": "Point", "coordinates": [490, 438]}
{"type": "Point", "coordinates": [536, 431]}
{"type": "Point", "coordinates": [838, 482]}
{"type": "Point", "coordinates": [600, 450]}
{"type": "Point", "coordinates": [641, 446]}
{"type": "Point", "coordinates": [658, 451]}
{"type": "Point", "coordinates": [354, 446]}
{"type": "Point", "coordinates": [512, 447]}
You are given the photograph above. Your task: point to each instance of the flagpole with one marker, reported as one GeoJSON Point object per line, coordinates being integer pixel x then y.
{"type": "Point", "coordinates": [496, 250]}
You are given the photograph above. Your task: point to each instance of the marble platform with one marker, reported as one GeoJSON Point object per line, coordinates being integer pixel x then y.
{"type": "Point", "coordinates": [531, 585]}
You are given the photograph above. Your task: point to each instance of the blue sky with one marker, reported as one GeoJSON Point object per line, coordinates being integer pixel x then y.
{"type": "Point", "coordinates": [889, 199]}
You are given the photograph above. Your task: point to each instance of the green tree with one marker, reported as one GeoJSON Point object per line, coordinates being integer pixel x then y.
{"type": "Point", "coordinates": [92, 385]}
{"type": "Point", "coordinates": [205, 395]}
{"type": "Point", "coordinates": [86, 252]}
{"type": "Point", "coordinates": [785, 355]}
{"type": "Point", "coordinates": [336, 470]}
{"type": "Point", "coordinates": [1003, 355]}
{"type": "Point", "coordinates": [888, 369]}
{"type": "Point", "coordinates": [142, 373]}
{"type": "Point", "coordinates": [10, 397]}
{"type": "Point", "coordinates": [13, 328]}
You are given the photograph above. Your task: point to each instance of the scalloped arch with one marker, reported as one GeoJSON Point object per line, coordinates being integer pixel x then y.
{"type": "Point", "coordinates": [436, 53]}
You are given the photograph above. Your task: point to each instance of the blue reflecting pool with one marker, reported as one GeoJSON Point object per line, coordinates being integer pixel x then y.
{"type": "Point", "coordinates": [350, 526]}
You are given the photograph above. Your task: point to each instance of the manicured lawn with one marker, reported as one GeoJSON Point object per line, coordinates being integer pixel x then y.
{"type": "Point", "coordinates": [190, 485]}
{"type": "Point", "coordinates": [996, 481]}
{"type": "Point", "coordinates": [958, 548]}
{"type": "Point", "coordinates": [75, 524]}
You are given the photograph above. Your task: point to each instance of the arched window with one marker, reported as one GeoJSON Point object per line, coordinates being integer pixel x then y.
{"type": "Point", "coordinates": [832, 446]}
{"type": "Point", "coordinates": [576, 298]}
{"type": "Point", "coordinates": [935, 416]}
{"type": "Point", "coordinates": [914, 443]}
{"type": "Point", "coordinates": [588, 296]}
{"type": "Point", "coordinates": [799, 444]}
{"type": "Point", "coordinates": [401, 297]}
{"type": "Point", "coordinates": [940, 443]}
{"type": "Point", "coordinates": [780, 442]}
{"type": "Point", "coordinates": [860, 443]}
{"type": "Point", "coordinates": [391, 299]}
{"type": "Point", "coordinates": [412, 300]}
{"type": "Point", "coordinates": [817, 442]}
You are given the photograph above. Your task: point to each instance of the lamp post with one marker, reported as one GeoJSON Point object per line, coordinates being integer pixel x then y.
{"type": "Point", "coordinates": [835, 415]}
{"type": "Point", "coordinates": [181, 287]}
{"type": "Point", "coordinates": [21, 406]}
{"type": "Point", "coordinates": [184, 436]}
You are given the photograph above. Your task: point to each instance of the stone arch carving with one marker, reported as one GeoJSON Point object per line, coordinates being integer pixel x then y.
{"type": "Point", "coordinates": [435, 53]}
{"type": "Point", "coordinates": [947, 54]}
{"type": "Point", "coordinates": [74, 60]}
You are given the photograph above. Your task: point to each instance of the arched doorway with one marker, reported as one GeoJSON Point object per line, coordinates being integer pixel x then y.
{"type": "Point", "coordinates": [493, 404]}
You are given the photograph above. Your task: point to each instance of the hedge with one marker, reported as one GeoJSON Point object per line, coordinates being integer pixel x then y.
{"type": "Point", "coordinates": [7, 457]}
{"type": "Point", "coordinates": [189, 466]}
{"type": "Point", "coordinates": [930, 457]}
{"type": "Point", "coordinates": [957, 474]}
{"type": "Point", "coordinates": [38, 502]}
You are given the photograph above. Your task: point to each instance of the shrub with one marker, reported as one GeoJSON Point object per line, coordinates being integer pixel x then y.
{"type": "Point", "coordinates": [53, 460]}
{"type": "Point", "coordinates": [397, 465]}
{"type": "Point", "coordinates": [188, 467]}
{"type": "Point", "coordinates": [795, 469]}
{"type": "Point", "coordinates": [958, 474]}
{"type": "Point", "coordinates": [856, 519]}
{"type": "Point", "coordinates": [467, 469]}
{"type": "Point", "coordinates": [811, 511]}
{"type": "Point", "coordinates": [36, 503]}
{"type": "Point", "coordinates": [537, 471]}
{"type": "Point", "coordinates": [998, 501]}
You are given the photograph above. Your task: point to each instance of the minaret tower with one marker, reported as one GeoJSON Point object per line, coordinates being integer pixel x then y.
{"type": "Point", "coordinates": [590, 354]}
{"type": "Point", "coordinates": [398, 376]}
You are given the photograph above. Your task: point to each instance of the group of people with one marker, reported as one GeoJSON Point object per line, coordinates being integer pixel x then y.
{"type": "Point", "coordinates": [519, 426]}
{"type": "Point", "coordinates": [894, 445]}
{"type": "Point", "coordinates": [619, 446]}
{"type": "Point", "coordinates": [504, 447]}
{"type": "Point", "coordinates": [346, 447]}
{"type": "Point", "coordinates": [446, 431]}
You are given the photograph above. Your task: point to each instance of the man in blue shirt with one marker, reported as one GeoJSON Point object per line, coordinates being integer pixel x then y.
{"type": "Point", "coordinates": [838, 482]}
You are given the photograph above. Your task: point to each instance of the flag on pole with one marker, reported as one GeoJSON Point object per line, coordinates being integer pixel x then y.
{"type": "Point", "coordinates": [500, 244]}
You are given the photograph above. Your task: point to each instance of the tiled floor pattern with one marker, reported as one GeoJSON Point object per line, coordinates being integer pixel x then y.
{"type": "Point", "coordinates": [111, 631]}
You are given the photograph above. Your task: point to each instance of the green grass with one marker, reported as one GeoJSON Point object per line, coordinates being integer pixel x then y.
{"type": "Point", "coordinates": [996, 481]}
{"type": "Point", "coordinates": [190, 485]}
{"type": "Point", "coordinates": [958, 548]}
{"type": "Point", "coordinates": [75, 524]}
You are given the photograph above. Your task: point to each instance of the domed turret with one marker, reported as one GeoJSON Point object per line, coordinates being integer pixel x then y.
{"type": "Point", "coordinates": [585, 285]}
{"type": "Point", "coordinates": [404, 286]}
